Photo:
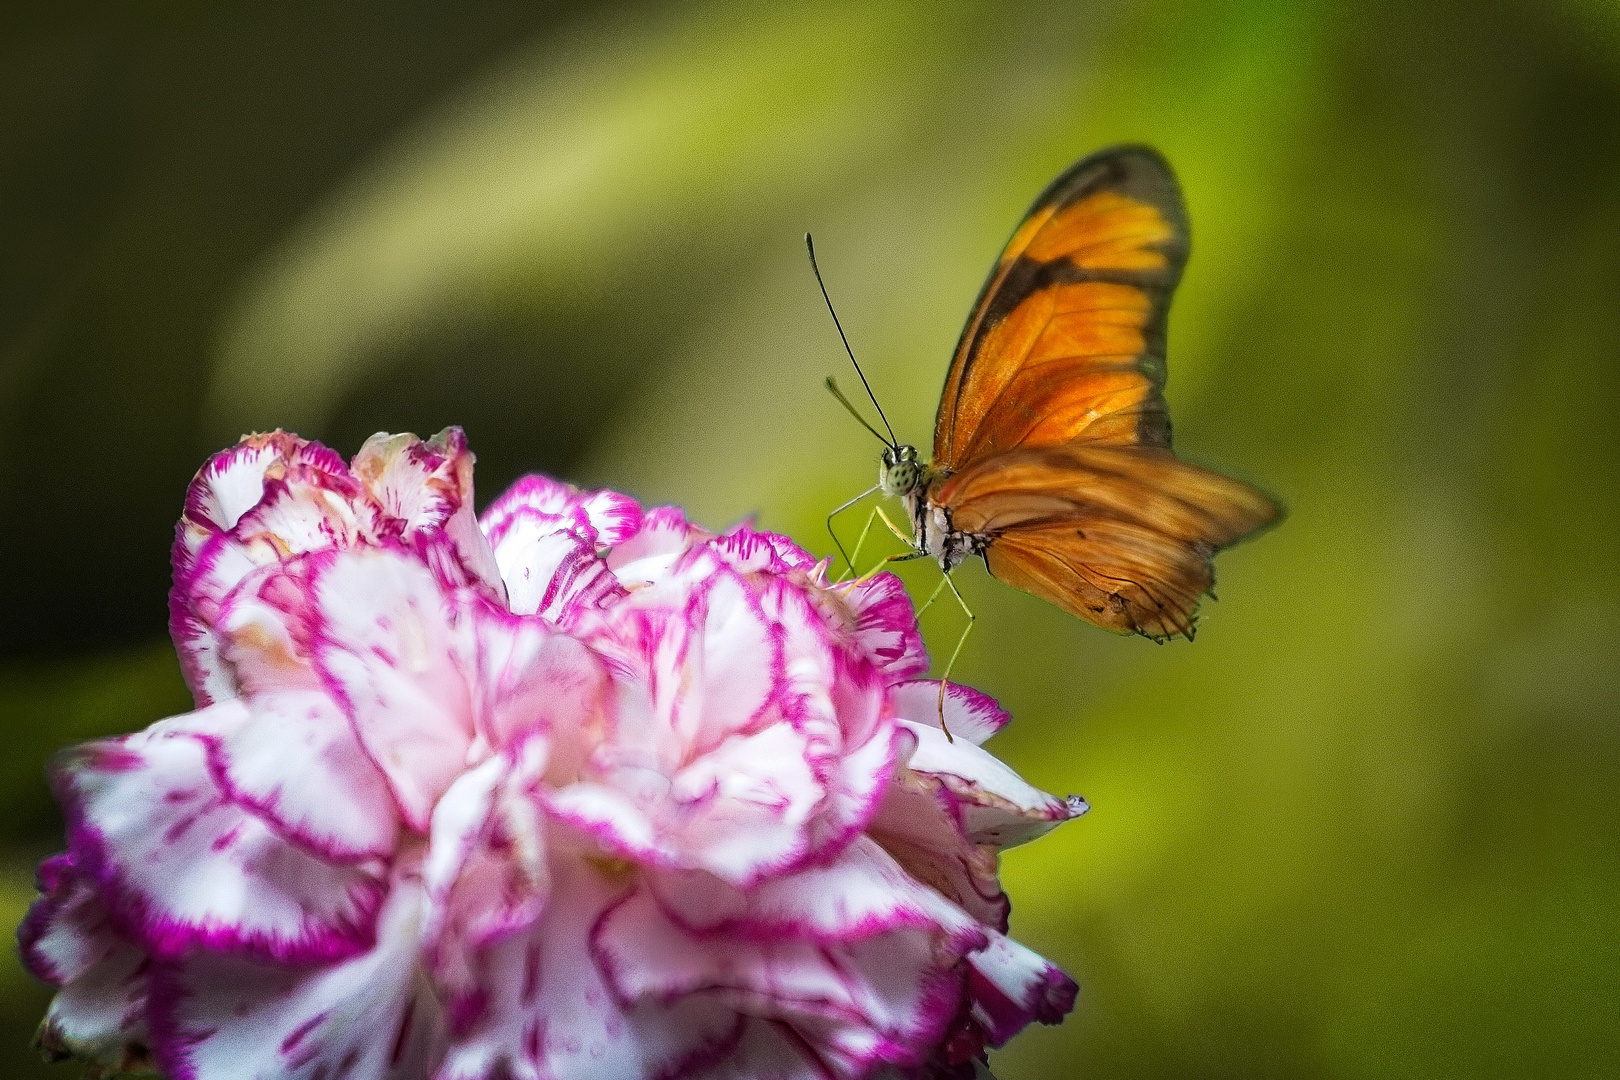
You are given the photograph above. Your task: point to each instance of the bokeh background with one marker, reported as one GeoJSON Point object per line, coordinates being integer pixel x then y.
{"type": "Point", "coordinates": [1367, 826]}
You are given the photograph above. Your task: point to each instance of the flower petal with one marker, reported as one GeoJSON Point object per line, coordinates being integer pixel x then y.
{"type": "Point", "coordinates": [302, 509]}
{"type": "Point", "coordinates": [369, 1017]}
{"type": "Point", "coordinates": [883, 624]}
{"type": "Point", "coordinates": [997, 805]}
{"type": "Point", "coordinates": [719, 680]}
{"type": "Point", "coordinates": [919, 824]}
{"type": "Point", "coordinates": [428, 487]}
{"type": "Point", "coordinates": [740, 811]}
{"type": "Point", "coordinates": [392, 653]}
{"type": "Point", "coordinates": [532, 677]}
{"type": "Point", "coordinates": [68, 940]}
{"type": "Point", "coordinates": [232, 481]}
{"type": "Point", "coordinates": [773, 1050]}
{"type": "Point", "coordinates": [266, 629]}
{"type": "Point", "coordinates": [550, 569]}
{"type": "Point", "coordinates": [750, 550]}
{"type": "Point", "coordinates": [1011, 986]}
{"type": "Point", "coordinates": [610, 820]}
{"type": "Point", "coordinates": [58, 938]}
{"type": "Point", "coordinates": [486, 874]}
{"type": "Point", "coordinates": [861, 893]}
{"type": "Point", "coordinates": [182, 866]}
{"type": "Point", "coordinates": [662, 536]}
{"type": "Point", "coordinates": [100, 1017]}
{"type": "Point", "coordinates": [698, 744]}
{"type": "Point", "coordinates": [307, 509]}
{"type": "Point", "coordinates": [615, 517]}
{"type": "Point", "coordinates": [194, 604]}
{"type": "Point", "coordinates": [609, 518]}
{"type": "Point", "coordinates": [550, 1016]}
{"type": "Point", "coordinates": [296, 762]}
{"type": "Point", "coordinates": [969, 714]}
{"type": "Point", "coordinates": [836, 700]}
{"type": "Point", "coordinates": [417, 484]}
{"type": "Point", "coordinates": [883, 999]}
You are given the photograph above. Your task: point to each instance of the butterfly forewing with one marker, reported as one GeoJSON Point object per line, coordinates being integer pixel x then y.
{"type": "Point", "coordinates": [1066, 341]}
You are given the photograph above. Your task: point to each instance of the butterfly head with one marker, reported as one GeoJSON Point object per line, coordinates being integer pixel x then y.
{"type": "Point", "coordinates": [901, 473]}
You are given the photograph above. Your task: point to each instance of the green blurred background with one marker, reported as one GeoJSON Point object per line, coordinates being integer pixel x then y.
{"type": "Point", "coordinates": [1365, 827]}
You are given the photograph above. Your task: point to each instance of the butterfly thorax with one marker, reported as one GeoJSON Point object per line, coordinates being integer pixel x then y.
{"type": "Point", "coordinates": [905, 477]}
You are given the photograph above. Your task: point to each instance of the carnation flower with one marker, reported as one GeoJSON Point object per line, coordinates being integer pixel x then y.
{"type": "Point", "coordinates": [572, 791]}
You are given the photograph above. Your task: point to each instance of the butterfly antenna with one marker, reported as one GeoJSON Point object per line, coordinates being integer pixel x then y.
{"type": "Point", "coordinates": [832, 384]}
{"type": "Point", "coordinates": [810, 246]}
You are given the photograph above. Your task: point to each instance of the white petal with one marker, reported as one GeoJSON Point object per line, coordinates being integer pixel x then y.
{"type": "Point", "coordinates": [551, 570]}
{"type": "Point", "coordinates": [232, 481]}
{"type": "Point", "coordinates": [549, 1016]}
{"type": "Point", "coordinates": [738, 668]}
{"type": "Point", "coordinates": [307, 509]}
{"type": "Point", "coordinates": [646, 556]}
{"type": "Point", "coordinates": [885, 625]}
{"type": "Point", "coordinates": [919, 824]}
{"type": "Point", "coordinates": [861, 893]}
{"type": "Point", "coordinates": [183, 866]}
{"type": "Point", "coordinates": [605, 518]}
{"type": "Point", "coordinates": [1012, 987]}
{"type": "Point", "coordinates": [303, 509]}
{"type": "Point", "coordinates": [296, 761]}
{"type": "Point", "coordinates": [886, 998]}
{"type": "Point", "coordinates": [536, 494]}
{"type": "Point", "coordinates": [741, 810]}
{"type": "Point", "coordinates": [750, 550]}
{"type": "Point", "coordinates": [68, 939]}
{"type": "Point", "coordinates": [199, 591]}
{"type": "Point", "coordinates": [997, 805]}
{"type": "Point", "coordinates": [61, 937]}
{"type": "Point", "coordinates": [532, 677]}
{"type": "Point", "coordinates": [264, 646]}
{"type": "Point", "coordinates": [969, 714]}
{"type": "Point", "coordinates": [371, 1017]}
{"type": "Point", "coordinates": [428, 487]}
{"type": "Point", "coordinates": [611, 820]}
{"type": "Point", "coordinates": [100, 1017]}
{"type": "Point", "coordinates": [614, 517]}
{"type": "Point", "coordinates": [836, 700]}
{"type": "Point", "coordinates": [773, 1050]}
{"type": "Point", "coordinates": [392, 652]}
{"type": "Point", "coordinates": [415, 483]}
{"type": "Point", "coordinates": [486, 873]}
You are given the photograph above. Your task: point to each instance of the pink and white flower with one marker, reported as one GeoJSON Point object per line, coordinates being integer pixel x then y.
{"type": "Point", "coordinates": [571, 791]}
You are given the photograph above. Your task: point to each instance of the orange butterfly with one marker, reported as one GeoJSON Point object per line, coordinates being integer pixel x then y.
{"type": "Point", "coordinates": [1052, 454]}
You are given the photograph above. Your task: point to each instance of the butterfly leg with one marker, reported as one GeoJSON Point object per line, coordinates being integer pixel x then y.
{"type": "Point", "coordinates": [951, 664]}
{"type": "Point", "coordinates": [836, 542]}
{"type": "Point", "coordinates": [928, 603]}
{"type": "Point", "coordinates": [905, 556]}
{"type": "Point", "coordinates": [914, 553]}
{"type": "Point", "coordinates": [909, 542]}
{"type": "Point", "coordinates": [860, 542]}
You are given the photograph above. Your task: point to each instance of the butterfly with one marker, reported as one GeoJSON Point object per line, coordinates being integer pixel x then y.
{"type": "Point", "coordinates": [1052, 457]}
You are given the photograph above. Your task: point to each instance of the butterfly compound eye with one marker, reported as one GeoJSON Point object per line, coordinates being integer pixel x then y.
{"type": "Point", "coordinates": [900, 478]}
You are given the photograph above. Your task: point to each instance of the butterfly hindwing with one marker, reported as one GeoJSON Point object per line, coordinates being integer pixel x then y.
{"type": "Point", "coordinates": [1066, 341]}
{"type": "Point", "coordinates": [1121, 536]}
